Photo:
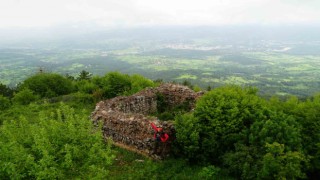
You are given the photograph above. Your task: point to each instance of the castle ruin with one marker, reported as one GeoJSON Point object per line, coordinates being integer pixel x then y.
{"type": "Point", "coordinates": [126, 120]}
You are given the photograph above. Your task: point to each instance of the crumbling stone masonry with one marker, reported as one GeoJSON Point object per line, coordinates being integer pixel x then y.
{"type": "Point", "coordinates": [126, 120]}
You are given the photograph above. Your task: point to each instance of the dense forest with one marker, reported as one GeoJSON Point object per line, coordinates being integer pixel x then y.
{"type": "Point", "coordinates": [233, 133]}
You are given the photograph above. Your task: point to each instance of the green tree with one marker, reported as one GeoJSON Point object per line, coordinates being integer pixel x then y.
{"type": "Point", "coordinates": [234, 125]}
{"type": "Point", "coordinates": [48, 85]}
{"type": "Point", "coordinates": [224, 114]}
{"type": "Point", "coordinates": [247, 158]}
{"type": "Point", "coordinates": [84, 75]}
{"type": "Point", "coordinates": [116, 84]}
{"type": "Point", "coordinates": [307, 114]}
{"type": "Point", "coordinates": [139, 83]}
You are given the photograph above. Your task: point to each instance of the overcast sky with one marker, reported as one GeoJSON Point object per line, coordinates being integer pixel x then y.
{"type": "Point", "coordinates": [38, 13]}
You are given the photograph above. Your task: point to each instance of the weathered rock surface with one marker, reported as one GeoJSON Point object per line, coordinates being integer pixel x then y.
{"type": "Point", "coordinates": [126, 120]}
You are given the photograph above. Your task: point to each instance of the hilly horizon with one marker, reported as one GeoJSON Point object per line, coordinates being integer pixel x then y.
{"type": "Point", "coordinates": [277, 59]}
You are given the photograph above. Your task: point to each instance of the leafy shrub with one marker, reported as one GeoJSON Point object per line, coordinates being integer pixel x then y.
{"type": "Point", "coordinates": [166, 111]}
{"type": "Point", "coordinates": [24, 97]}
{"type": "Point", "coordinates": [165, 116]}
{"type": "Point", "coordinates": [6, 91]}
{"type": "Point", "coordinates": [209, 172]}
{"type": "Point", "coordinates": [48, 85]}
{"type": "Point", "coordinates": [86, 86]}
{"type": "Point", "coordinates": [231, 126]}
{"type": "Point", "coordinates": [224, 115]}
{"type": "Point", "coordinates": [307, 114]}
{"type": "Point", "coordinates": [62, 145]}
{"type": "Point", "coordinates": [278, 164]}
{"type": "Point", "coordinates": [196, 88]}
{"type": "Point", "coordinates": [4, 102]}
{"type": "Point", "coordinates": [97, 95]}
{"type": "Point", "coordinates": [187, 136]}
{"type": "Point", "coordinates": [116, 84]}
{"type": "Point", "coordinates": [82, 98]}
{"type": "Point", "coordinates": [139, 83]}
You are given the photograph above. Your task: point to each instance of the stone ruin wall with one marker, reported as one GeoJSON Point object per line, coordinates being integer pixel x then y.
{"type": "Point", "coordinates": [126, 120]}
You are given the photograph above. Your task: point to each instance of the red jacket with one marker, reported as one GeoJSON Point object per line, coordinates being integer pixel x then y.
{"type": "Point", "coordinates": [164, 136]}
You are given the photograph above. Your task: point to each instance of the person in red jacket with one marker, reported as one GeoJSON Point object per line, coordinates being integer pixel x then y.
{"type": "Point", "coordinates": [159, 136]}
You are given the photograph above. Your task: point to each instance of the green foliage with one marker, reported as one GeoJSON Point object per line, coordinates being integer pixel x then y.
{"type": "Point", "coordinates": [86, 86]}
{"type": "Point", "coordinates": [6, 91]}
{"type": "Point", "coordinates": [164, 111]}
{"type": "Point", "coordinates": [176, 169]}
{"type": "Point", "coordinates": [161, 103]}
{"type": "Point", "coordinates": [84, 75]}
{"type": "Point", "coordinates": [60, 145]}
{"type": "Point", "coordinates": [24, 97]}
{"type": "Point", "coordinates": [48, 85]}
{"type": "Point", "coordinates": [139, 83]}
{"type": "Point", "coordinates": [309, 117]}
{"type": "Point", "coordinates": [128, 167]}
{"type": "Point", "coordinates": [187, 135]}
{"type": "Point", "coordinates": [231, 130]}
{"type": "Point", "coordinates": [165, 116]}
{"type": "Point", "coordinates": [116, 84]}
{"type": "Point", "coordinates": [224, 114]}
{"type": "Point", "coordinates": [187, 83]}
{"type": "Point", "coordinates": [157, 82]}
{"type": "Point", "coordinates": [167, 111]}
{"type": "Point", "coordinates": [113, 84]}
{"type": "Point", "coordinates": [210, 172]}
{"type": "Point", "coordinates": [82, 98]}
{"type": "Point", "coordinates": [231, 127]}
{"type": "Point", "coordinates": [70, 77]}
{"type": "Point", "coordinates": [4, 103]}
{"type": "Point", "coordinates": [97, 95]}
{"type": "Point", "coordinates": [278, 164]}
{"type": "Point", "coordinates": [307, 114]}
{"type": "Point", "coordinates": [196, 88]}
{"type": "Point", "coordinates": [77, 100]}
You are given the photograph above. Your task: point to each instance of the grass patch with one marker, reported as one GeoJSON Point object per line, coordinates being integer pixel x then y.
{"type": "Point", "coordinates": [187, 76]}
{"type": "Point", "coordinates": [129, 165]}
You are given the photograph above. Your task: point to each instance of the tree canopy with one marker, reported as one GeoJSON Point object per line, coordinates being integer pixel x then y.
{"type": "Point", "coordinates": [235, 128]}
{"type": "Point", "coordinates": [48, 84]}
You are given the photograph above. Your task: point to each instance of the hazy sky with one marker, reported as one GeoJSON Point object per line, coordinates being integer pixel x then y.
{"type": "Point", "coordinates": [31, 13]}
